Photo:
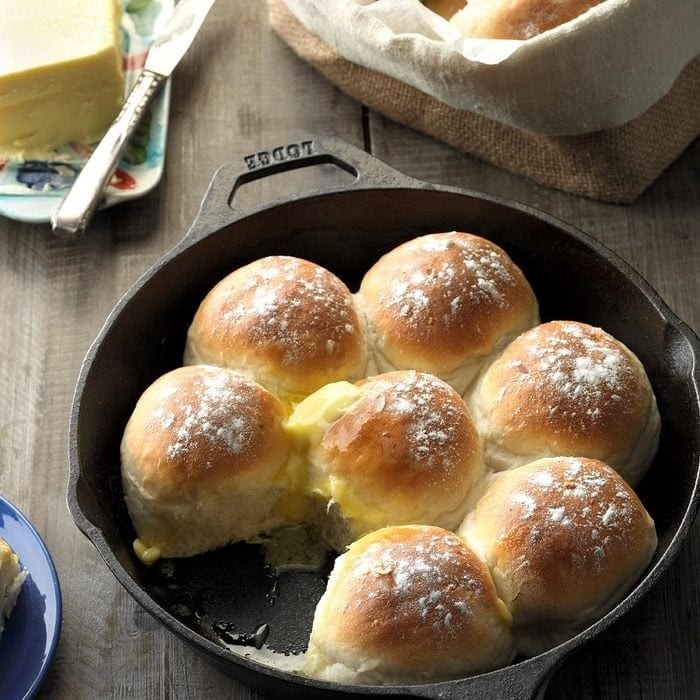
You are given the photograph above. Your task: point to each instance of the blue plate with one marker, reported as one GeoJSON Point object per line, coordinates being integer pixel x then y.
{"type": "Point", "coordinates": [28, 644]}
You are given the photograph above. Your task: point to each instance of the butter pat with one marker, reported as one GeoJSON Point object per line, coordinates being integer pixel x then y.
{"type": "Point", "coordinates": [61, 77]}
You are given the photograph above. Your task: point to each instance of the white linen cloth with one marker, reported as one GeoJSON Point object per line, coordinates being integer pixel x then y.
{"type": "Point", "coordinates": [598, 71]}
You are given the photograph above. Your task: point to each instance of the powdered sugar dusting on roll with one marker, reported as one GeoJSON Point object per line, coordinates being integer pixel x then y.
{"type": "Point", "coordinates": [419, 576]}
{"type": "Point", "coordinates": [444, 303]}
{"type": "Point", "coordinates": [567, 388]}
{"type": "Point", "coordinates": [582, 368]}
{"type": "Point", "coordinates": [221, 411]}
{"type": "Point", "coordinates": [433, 409]}
{"type": "Point", "coordinates": [581, 496]}
{"type": "Point", "coordinates": [472, 274]}
{"type": "Point", "coordinates": [273, 297]}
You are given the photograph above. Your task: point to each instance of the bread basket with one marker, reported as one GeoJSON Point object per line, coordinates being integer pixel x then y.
{"type": "Point", "coordinates": [599, 106]}
{"type": "Point", "coordinates": [216, 602]}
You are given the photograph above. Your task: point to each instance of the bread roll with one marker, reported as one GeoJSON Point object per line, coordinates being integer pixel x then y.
{"type": "Point", "coordinates": [444, 303]}
{"type": "Point", "coordinates": [202, 460]}
{"type": "Point", "coordinates": [11, 580]}
{"type": "Point", "coordinates": [444, 8]}
{"type": "Point", "coordinates": [567, 388]}
{"type": "Point", "coordinates": [516, 19]}
{"type": "Point", "coordinates": [287, 323]}
{"type": "Point", "coordinates": [401, 449]}
{"type": "Point", "coordinates": [565, 538]}
{"type": "Point", "coordinates": [406, 605]}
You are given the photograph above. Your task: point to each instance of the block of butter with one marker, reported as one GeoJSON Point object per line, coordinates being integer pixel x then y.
{"type": "Point", "coordinates": [61, 76]}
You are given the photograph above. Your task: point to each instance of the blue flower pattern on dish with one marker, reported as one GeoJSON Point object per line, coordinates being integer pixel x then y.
{"type": "Point", "coordinates": [43, 175]}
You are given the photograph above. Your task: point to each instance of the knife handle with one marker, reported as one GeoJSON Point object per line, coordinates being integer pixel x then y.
{"type": "Point", "coordinates": [78, 206]}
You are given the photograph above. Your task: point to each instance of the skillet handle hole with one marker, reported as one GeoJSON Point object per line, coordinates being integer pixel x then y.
{"type": "Point", "coordinates": [289, 179]}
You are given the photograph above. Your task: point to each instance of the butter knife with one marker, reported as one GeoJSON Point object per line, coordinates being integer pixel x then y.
{"type": "Point", "coordinates": [171, 44]}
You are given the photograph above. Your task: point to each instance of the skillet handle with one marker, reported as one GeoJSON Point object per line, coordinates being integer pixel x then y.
{"type": "Point", "coordinates": [218, 205]}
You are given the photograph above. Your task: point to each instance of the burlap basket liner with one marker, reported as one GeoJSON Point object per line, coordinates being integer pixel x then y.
{"type": "Point", "coordinates": [613, 165]}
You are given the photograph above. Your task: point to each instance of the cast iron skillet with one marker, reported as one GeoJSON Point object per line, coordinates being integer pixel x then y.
{"type": "Point", "coordinates": [216, 602]}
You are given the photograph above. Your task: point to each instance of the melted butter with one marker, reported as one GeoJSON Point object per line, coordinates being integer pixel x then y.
{"type": "Point", "coordinates": [311, 418]}
{"type": "Point", "coordinates": [296, 469]}
{"type": "Point", "coordinates": [148, 555]}
{"type": "Point", "coordinates": [503, 610]}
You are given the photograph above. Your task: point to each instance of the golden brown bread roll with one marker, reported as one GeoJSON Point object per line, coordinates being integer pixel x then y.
{"type": "Point", "coordinates": [202, 459]}
{"type": "Point", "coordinates": [567, 388]}
{"type": "Point", "coordinates": [565, 538]}
{"type": "Point", "coordinates": [408, 605]}
{"type": "Point", "coordinates": [287, 323]}
{"type": "Point", "coordinates": [444, 303]}
{"type": "Point", "coordinates": [516, 19]}
{"type": "Point", "coordinates": [396, 448]}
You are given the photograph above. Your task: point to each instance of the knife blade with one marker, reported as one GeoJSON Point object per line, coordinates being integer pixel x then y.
{"type": "Point", "coordinates": [177, 34]}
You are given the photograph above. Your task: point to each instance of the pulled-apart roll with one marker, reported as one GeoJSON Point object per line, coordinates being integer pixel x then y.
{"type": "Point", "coordinates": [393, 449]}
{"type": "Point", "coordinates": [565, 538]}
{"type": "Point", "coordinates": [567, 388]}
{"type": "Point", "coordinates": [405, 605]}
{"type": "Point", "coordinates": [202, 459]}
{"type": "Point", "coordinates": [444, 303]}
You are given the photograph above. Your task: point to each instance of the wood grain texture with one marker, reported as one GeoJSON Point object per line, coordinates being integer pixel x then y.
{"type": "Point", "coordinates": [240, 90]}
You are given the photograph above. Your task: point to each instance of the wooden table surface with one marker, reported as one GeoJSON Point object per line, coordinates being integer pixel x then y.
{"type": "Point", "coordinates": [240, 90]}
